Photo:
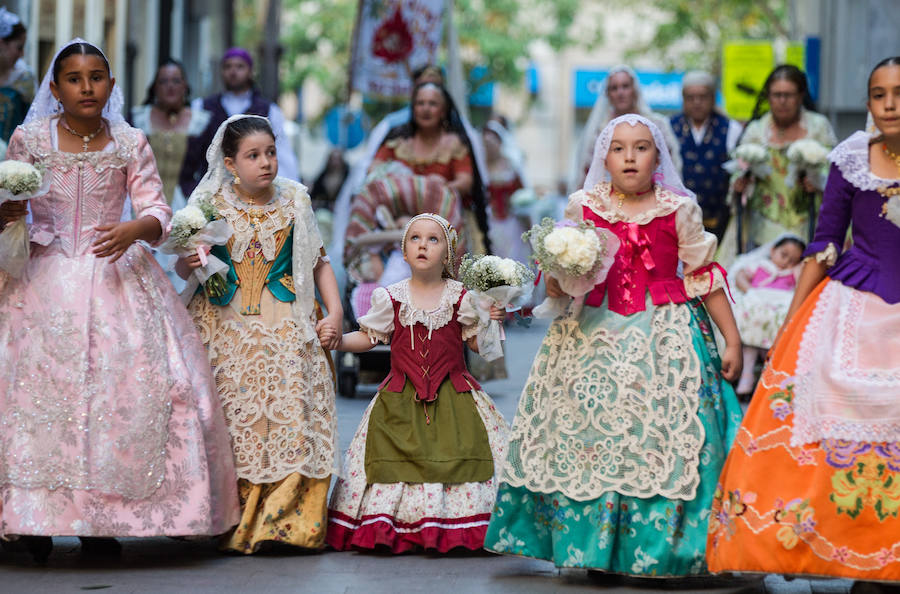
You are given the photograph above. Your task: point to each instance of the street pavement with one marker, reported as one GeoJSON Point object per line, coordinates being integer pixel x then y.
{"type": "Point", "coordinates": [167, 565]}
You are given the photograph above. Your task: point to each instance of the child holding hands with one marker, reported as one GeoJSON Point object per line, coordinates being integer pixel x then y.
{"type": "Point", "coordinates": [265, 345]}
{"type": "Point", "coordinates": [420, 471]}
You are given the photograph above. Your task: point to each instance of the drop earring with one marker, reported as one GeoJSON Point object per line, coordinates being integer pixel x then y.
{"type": "Point", "coordinates": [237, 179]}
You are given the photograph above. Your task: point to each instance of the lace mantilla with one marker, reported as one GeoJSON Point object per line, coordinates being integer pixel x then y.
{"type": "Point", "coordinates": [434, 319]}
{"type": "Point", "coordinates": [611, 410]}
{"type": "Point", "coordinates": [37, 140]}
{"type": "Point", "coordinates": [249, 222]}
{"type": "Point", "coordinates": [598, 200]}
{"type": "Point", "coordinates": [852, 158]}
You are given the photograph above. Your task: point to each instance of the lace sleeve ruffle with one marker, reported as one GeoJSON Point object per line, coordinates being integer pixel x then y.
{"type": "Point", "coordinates": [574, 209]}
{"type": "Point", "coordinates": [378, 323]}
{"type": "Point", "coordinates": [704, 281]}
{"type": "Point", "coordinates": [827, 256]}
{"type": "Point", "coordinates": [696, 249]}
{"type": "Point", "coordinates": [468, 318]}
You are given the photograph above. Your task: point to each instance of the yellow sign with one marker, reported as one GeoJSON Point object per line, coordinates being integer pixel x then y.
{"type": "Point", "coordinates": [796, 54]}
{"type": "Point", "coordinates": [745, 66]}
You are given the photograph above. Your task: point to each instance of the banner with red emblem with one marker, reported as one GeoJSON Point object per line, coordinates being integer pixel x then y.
{"type": "Point", "coordinates": [393, 38]}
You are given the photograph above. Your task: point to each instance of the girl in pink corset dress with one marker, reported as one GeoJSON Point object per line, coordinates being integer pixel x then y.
{"type": "Point", "coordinates": [420, 471]}
{"type": "Point", "coordinates": [109, 420]}
{"type": "Point", "coordinates": [627, 415]}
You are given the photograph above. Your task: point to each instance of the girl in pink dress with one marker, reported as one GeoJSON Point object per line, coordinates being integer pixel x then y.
{"type": "Point", "coordinates": [109, 420]}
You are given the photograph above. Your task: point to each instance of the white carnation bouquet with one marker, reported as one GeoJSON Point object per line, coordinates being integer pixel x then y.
{"type": "Point", "coordinates": [749, 157]}
{"type": "Point", "coordinates": [18, 181]}
{"type": "Point", "coordinates": [192, 230]}
{"type": "Point", "coordinates": [810, 158]}
{"type": "Point", "coordinates": [578, 255]}
{"type": "Point", "coordinates": [499, 281]}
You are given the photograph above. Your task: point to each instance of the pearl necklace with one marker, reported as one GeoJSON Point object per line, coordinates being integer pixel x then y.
{"type": "Point", "coordinates": [85, 139]}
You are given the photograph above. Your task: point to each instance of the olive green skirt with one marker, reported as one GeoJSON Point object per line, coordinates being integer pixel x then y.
{"type": "Point", "coordinates": [443, 441]}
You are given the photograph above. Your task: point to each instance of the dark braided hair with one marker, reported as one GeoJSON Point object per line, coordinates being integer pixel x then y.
{"type": "Point", "coordinates": [240, 129]}
{"type": "Point", "coordinates": [79, 49]}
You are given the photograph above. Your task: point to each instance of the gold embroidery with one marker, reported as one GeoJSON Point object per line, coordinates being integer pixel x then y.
{"type": "Point", "coordinates": [253, 269]}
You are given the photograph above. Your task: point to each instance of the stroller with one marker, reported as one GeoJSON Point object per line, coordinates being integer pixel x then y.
{"type": "Point", "coordinates": [373, 235]}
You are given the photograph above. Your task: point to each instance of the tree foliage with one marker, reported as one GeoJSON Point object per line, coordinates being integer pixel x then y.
{"type": "Point", "coordinates": [316, 37]}
{"type": "Point", "coordinates": [699, 29]}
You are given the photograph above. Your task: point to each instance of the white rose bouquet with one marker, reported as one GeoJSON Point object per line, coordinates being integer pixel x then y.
{"type": "Point", "coordinates": [499, 281]}
{"type": "Point", "coordinates": [18, 181]}
{"type": "Point", "coordinates": [193, 228]}
{"type": "Point", "coordinates": [749, 157]}
{"type": "Point", "coordinates": [578, 255]}
{"type": "Point", "coordinates": [810, 158]}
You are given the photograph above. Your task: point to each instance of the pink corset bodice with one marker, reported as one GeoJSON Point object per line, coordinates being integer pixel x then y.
{"type": "Point", "coordinates": [646, 261]}
{"type": "Point", "coordinates": [427, 357]}
{"type": "Point", "coordinates": [89, 189]}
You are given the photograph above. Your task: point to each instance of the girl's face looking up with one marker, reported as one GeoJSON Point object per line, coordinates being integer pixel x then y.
{"type": "Point", "coordinates": [632, 158]}
{"type": "Point", "coordinates": [255, 162]}
{"type": "Point", "coordinates": [83, 87]}
{"type": "Point", "coordinates": [884, 99]}
{"type": "Point", "coordinates": [425, 249]}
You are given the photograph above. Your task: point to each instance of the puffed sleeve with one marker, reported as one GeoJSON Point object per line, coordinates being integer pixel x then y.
{"type": "Point", "coordinates": [378, 323]}
{"type": "Point", "coordinates": [145, 187]}
{"type": "Point", "coordinates": [696, 249]}
{"type": "Point", "coordinates": [461, 160]}
{"type": "Point", "coordinates": [16, 150]}
{"type": "Point", "coordinates": [834, 219]}
{"type": "Point", "coordinates": [468, 317]}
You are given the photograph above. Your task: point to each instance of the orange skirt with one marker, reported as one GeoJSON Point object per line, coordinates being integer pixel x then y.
{"type": "Point", "coordinates": [828, 508]}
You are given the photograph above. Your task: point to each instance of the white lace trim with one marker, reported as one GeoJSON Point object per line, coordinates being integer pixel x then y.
{"type": "Point", "coordinates": [248, 221]}
{"type": "Point", "coordinates": [434, 319]}
{"type": "Point", "coordinates": [598, 200]}
{"type": "Point", "coordinates": [841, 391]}
{"type": "Point", "coordinates": [828, 256]}
{"type": "Point", "coordinates": [611, 411]}
{"type": "Point", "coordinates": [699, 285]}
{"type": "Point", "coordinates": [852, 158]}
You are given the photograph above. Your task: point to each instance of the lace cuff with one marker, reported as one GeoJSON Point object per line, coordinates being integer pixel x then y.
{"type": "Point", "coordinates": [827, 256]}
{"type": "Point", "coordinates": [705, 280]}
{"type": "Point", "coordinates": [469, 318]}
{"type": "Point", "coordinates": [376, 336]}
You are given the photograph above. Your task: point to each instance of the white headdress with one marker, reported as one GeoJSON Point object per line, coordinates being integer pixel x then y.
{"type": "Point", "coordinates": [45, 104]}
{"type": "Point", "coordinates": [666, 175]}
{"type": "Point", "coordinates": [8, 20]}
{"type": "Point", "coordinates": [450, 235]}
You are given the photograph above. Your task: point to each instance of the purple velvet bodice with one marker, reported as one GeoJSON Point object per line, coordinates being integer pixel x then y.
{"type": "Point", "coordinates": [873, 262]}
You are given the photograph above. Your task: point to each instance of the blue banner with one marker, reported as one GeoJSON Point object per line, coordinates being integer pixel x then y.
{"type": "Point", "coordinates": [661, 90]}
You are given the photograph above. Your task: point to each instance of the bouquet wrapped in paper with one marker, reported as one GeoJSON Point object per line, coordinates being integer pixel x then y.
{"type": "Point", "coordinates": [749, 157]}
{"type": "Point", "coordinates": [18, 181]}
{"type": "Point", "coordinates": [493, 280]}
{"type": "Point", "coordinates": [194, 228]}
{"type": "Point", "coordinates": [578, 255]}
{"type": "Point", "coordinates": [810, 158]}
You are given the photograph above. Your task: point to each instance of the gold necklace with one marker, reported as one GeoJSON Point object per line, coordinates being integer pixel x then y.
{"type": "Point", "coordinates": [891, 155]}
{"type": "Point", "coordinates": [85, 139]}
{"type": "Point", "coordinates": [252, 199]}
{"type": "Point", "coordinates": [622, 196]}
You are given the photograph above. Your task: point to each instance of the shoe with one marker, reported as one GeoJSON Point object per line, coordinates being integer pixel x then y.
{"type": "Point", "coordinates": [93, 546]}
{"type": "Point", "coordinates": [40, 547]}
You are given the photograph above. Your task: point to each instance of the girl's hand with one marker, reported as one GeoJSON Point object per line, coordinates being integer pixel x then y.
{"type": "Point", "coordinates": [732, 362]}
{"type": "Point", "coordinates": [329, 331]}
{"type": "Point", "coordinates": [553, 288]}
{"type": "Point", "coordinates": [113, 240]}
{"type": "Point", "coordinates": [190, 262]}
{"type": "Point", "coordinates": [13, 210]}
{"type": "Point", "coordinates": [498, 313]}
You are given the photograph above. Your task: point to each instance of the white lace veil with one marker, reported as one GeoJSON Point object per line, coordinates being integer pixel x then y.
{"type": "Point", "coordinates": [216, 173]}
{"type": "Point", "coordinates": [45, 104]}
{"type": "Point", "coordinates": [666, 174]}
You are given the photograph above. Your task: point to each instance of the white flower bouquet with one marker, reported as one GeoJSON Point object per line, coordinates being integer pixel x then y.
{"type": "Point", "coordinates": [499, 281]}
{"type": "Point", "coordinates": [192, 230]}
{"type": "Point", "coordinates": [18, 181]}
{"type": "Point", "coordinates": [578, 255]}
{"type": "Point", "coordinates": [749, 157]}
{"type": "Point", "coordinates": [810, 158]}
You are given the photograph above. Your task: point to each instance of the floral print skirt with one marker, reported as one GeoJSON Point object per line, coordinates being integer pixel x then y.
{"type": "Point", "coordinates": [653, 536]}
{"type": "Point", "coordinates": [291, 511]}
{"type": "Point", "coordinates": [824, 508]}
{"type": "Point", "coordinates": [414, 516]}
